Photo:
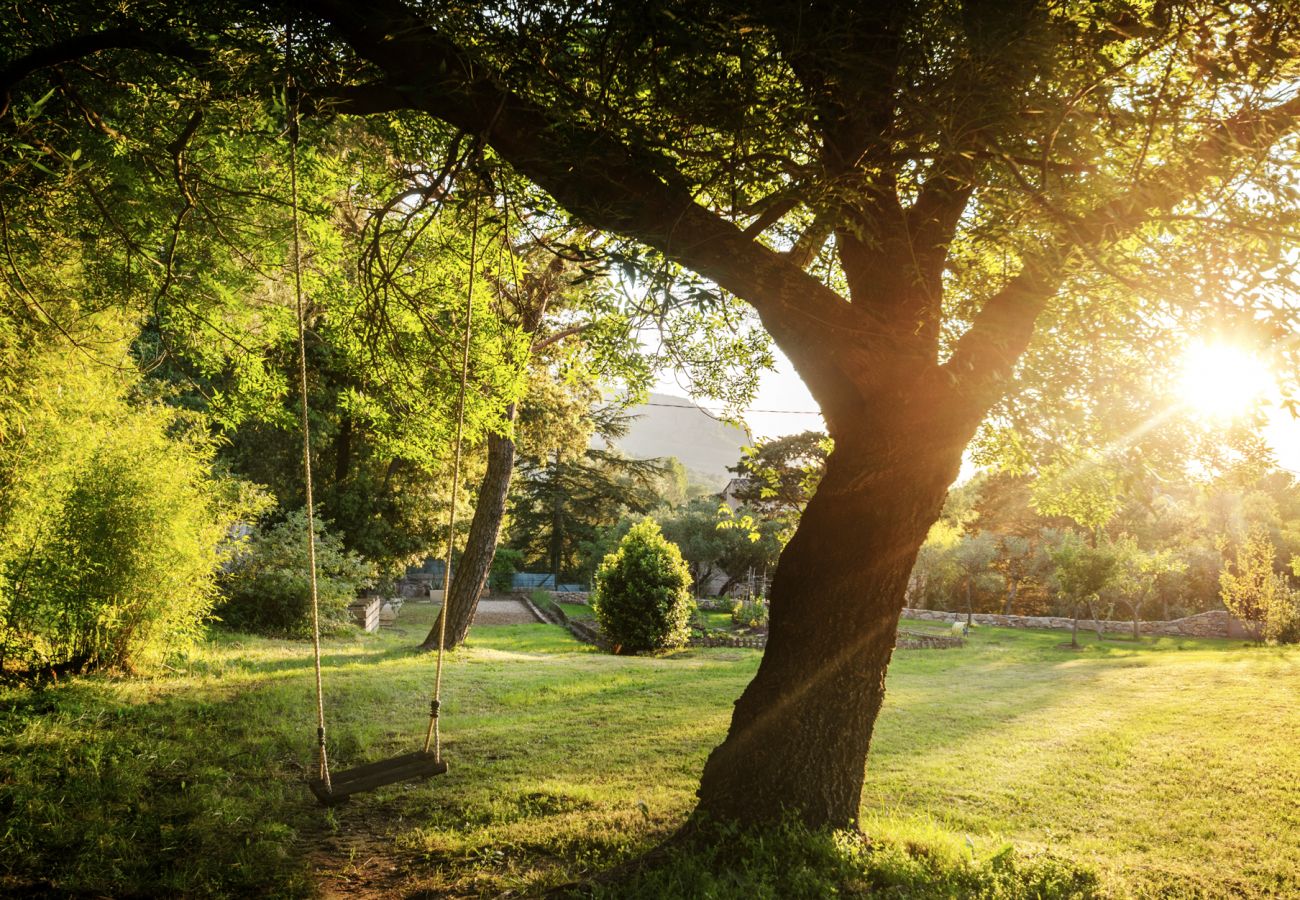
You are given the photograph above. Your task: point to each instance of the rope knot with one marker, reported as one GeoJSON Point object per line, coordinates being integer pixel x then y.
{"type": "Point", "coordinates": [435, 706]}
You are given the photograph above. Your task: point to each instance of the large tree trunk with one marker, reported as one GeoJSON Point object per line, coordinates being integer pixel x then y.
{"type": "Point", "coordinates": [801, 731]}
{"type": "Point", "coordinates": [471, 574]}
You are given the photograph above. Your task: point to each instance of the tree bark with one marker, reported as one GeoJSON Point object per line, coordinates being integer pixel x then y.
{"type": "Point", "coordinates": [801, 731]}
{"type": "Point", "coordinates": [1012, 586]}
{"type": "Point", "coordinates": [471, 575]}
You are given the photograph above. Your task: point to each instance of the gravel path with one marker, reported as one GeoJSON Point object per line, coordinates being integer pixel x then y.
{"type": "Point", "coordinates": [503, 612]}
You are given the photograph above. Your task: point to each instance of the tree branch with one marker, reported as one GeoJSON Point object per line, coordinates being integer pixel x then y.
{"type": "Point", "coordinates": [615, 187]}
{"type": "Point", "coordinates": [125, 37]}
{"type": "Point", "coordinates": [985, 354]}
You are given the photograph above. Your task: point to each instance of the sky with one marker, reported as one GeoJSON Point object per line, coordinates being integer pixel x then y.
{"type": "Point", "coordinates": [784, 406]}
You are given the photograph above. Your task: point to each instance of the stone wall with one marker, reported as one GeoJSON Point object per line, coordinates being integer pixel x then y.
{"type": "Point", "coordinates": [1214, 624]}
{"type": "Point", "coordinates": [583, 597]}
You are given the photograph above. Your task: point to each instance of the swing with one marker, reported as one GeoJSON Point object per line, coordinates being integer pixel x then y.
{"type": "Point", "coordinates": [333, 789]}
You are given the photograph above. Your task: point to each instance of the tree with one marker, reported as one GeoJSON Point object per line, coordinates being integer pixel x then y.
{"type": "Point", "coordinates": [1017, 559]}
{"type": "Point", "coordinates": [777, 477]}
{"type": "Point", "coordinates": [545, 301]}
{"type": "Point", "coordinates": [984, 169]}
{"type": "Point", "coordinates": [1140, 575]}
{"type": "Point", "coordinates": [565, 500]}
{"type": "Point", "coordinates": [709, 548]}
{"type": "Point", "coordinates": [973, 556]}
{"type": "Point", "coordinates": [1083, 571]}
{"type": "Point", "coordinates": [1255, 592]}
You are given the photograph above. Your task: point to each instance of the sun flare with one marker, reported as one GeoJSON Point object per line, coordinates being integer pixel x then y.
{"type": "Point", "coordinates": [1220, 381]}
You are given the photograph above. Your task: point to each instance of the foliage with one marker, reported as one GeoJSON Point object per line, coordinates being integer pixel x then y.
{"type": "Point", "coordinates": [505, 563]}
{"type": "Point", "coordinates": [711, 549]}
{"type": "Point", "coordinates": [749, 613]}
{"type": "Point", "coordinates": [641, 593]}
{"type": "Point", "coordinates": [1255, 592]}
{"type": "Point", "coordinates": [777, 477]}
{"type": "Point", "coordinates": [567, 502]}
{"type": "Point", "coordinates": [112, 523]}
{"type": "Point", "coordinates": [267, 588]}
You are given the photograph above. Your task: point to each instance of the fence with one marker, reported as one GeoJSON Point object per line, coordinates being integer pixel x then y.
{"type": "Point", "coordinates": [531, 581]}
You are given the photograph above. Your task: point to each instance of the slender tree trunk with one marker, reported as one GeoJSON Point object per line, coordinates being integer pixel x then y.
{"type": "Point", "coordinates": [1012, 586]}
{"type": "Point", "coordinates": [1096, 623]}
{"type": "Point", "coordinates": [1074, 628]}
{"type": "Point", "coordinates": [969, 609]}
{"type": "Point", "coordinates": [471, 574]}
{"type": "Point", "coordinates": [800, 733]}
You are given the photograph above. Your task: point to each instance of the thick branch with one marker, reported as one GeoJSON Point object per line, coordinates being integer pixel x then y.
{"type": "Point", "coordinates": [1001, 331]}
{"type": "Point", "coordinates": [126, 37]}
{"type": "Point", "coordinates": [617, 188]}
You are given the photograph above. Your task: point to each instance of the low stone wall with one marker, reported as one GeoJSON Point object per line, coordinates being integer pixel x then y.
{"type": "Point", "coordinates": [916, 640]}
{"type": "Point", "coordinates": [583, 597]}
{"type": "Point", "coordinates": [1213, 624]}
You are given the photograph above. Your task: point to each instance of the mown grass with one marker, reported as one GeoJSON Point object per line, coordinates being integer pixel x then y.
{"type": "Point", "coordinates": [1167, 768]}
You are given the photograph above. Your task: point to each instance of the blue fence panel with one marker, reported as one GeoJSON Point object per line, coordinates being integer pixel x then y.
{"type": "Point", "coordinates": [531, 581]}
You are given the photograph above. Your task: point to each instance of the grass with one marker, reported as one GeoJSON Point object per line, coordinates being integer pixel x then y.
{"type": "Point", "coordinates": [576, 610]}
{"type": "Point", "coordinates": [1167, 768]}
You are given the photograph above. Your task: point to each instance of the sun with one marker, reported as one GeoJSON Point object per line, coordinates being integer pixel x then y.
{"type": "Point", "coordinates": [1221, 381]}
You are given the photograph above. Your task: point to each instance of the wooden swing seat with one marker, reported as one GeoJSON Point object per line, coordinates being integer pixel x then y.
{"type": "Point", "coordinates": [407, 767]}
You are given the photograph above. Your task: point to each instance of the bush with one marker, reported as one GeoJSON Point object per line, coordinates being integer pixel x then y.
{"type": "Point", "coordinates": [505, 564]}
{"type": "Point", "coordinates": [749, 613]}
{"type": "Point", "coordinates": [111, 524]}
{"type": "Point", "coordinates": [267, 589]}
{"type": "Point", "coordinates": [641, 594]}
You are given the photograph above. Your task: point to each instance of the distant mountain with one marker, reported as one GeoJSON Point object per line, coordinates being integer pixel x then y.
{"type": "Point", "coordinates": [673, 426]}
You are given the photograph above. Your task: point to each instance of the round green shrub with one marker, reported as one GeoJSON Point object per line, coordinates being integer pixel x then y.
{"type": "Point", "coordinates": [267, 590]}
{"type": "Point", "coordinates": [641, 592]}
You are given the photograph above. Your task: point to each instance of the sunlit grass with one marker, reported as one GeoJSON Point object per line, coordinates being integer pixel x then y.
{"type": "Point", "coordinates": [1168, 767]}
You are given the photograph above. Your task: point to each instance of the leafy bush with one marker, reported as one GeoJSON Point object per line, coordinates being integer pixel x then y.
{"type": "Point", "coordinates": [267, 588]}
{"type": "Point", "coordinates": [1253, 592]}
{"type": "Point", "coordinates": [749, 613]}
{"type": "Point", "coordinates": [641, 592]}
{"type": "Point", "coordinates": [111, 523]}
{"type": "Point", "coordinates": [505, 564]}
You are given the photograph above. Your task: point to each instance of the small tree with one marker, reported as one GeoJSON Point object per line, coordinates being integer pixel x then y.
{"type": "Point", "coordinates": [1139, 574]}
{"type": "Point", "coordinates": [1082, 572]}
{"type": "Point", "coordinates": [1255, 593]}
{"type": "Point", "coordinates": [641, 594]}
{"type": "Point", "coordinates": [973, 557]}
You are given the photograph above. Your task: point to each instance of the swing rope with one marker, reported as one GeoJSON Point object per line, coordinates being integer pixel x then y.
{"type": "Point", "coordinates": [291, 107]}
{"type": "Point", "coordinates": [433, 734]}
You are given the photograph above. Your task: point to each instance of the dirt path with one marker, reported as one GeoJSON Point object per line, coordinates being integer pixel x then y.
{"type": "Point", "coordinates": [503, 612]}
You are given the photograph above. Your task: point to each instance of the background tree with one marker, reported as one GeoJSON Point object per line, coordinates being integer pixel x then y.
{"type": "Point", "coordinates": [777, 477]}
{"type": "Point", "coordinates": [1255, 592]}
{"type": "Point", "coordinates": [1083, 571]}
{"type": "Point", "coordinates": [973, 556]}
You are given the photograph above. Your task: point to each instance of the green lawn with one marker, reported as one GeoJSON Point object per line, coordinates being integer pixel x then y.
{"type": "Point", "coordinates": [576, 610]}
{"type": "Point", "coordinates": [1168, 768]}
